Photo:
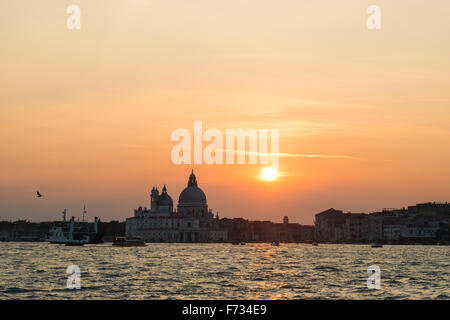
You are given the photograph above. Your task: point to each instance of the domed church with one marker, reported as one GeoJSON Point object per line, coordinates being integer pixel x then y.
{"type": "Point", "coordinates": [191, 222]}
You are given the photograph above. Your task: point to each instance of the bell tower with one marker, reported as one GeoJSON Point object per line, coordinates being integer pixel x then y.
{"type": "Point", "coordinates": [154, 196]}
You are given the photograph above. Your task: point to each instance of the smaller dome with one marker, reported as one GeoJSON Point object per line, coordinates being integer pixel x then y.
{"type": "Point", "coordinates": [164, 199]}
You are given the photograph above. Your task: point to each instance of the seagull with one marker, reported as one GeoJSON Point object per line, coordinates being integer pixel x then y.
{"type": "Point", "coordinates": [39, 195]}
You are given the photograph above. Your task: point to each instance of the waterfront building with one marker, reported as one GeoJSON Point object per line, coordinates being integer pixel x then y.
{"type": "Point", "coordinates": [4, 235]}
{"type": "Point", "coordinates": [392, 231]}
{"type": "Point", "coordinates": [242, 230]}
{"type": "Point", "coordinates": [421, 229]}
{"type": "Point", "coordinates": [422, 223]}
{"type": "Point", "coordinates": [328, 225]}
{"type": "Point", "coordinates": [355, 228]}
{"type": "Point", "coordinates": [191, 222]}
{"type": "Point", "coordinates": [375, 227]}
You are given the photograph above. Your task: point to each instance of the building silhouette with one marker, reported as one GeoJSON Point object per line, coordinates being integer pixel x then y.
{"type": "Point", "coordinates": [191, 222]}
{"type": "Point", "coordinates": [425, 223]}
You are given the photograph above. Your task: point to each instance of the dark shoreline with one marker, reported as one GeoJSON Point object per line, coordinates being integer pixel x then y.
{"type": "Point", "coordinates": [250, 242]}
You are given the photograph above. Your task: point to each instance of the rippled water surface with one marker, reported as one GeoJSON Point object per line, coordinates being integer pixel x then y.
{"type": "Point", "coordinates": [223, 271]}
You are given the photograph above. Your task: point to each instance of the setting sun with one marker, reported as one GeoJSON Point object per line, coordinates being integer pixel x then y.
{"type": "Point", "coordinates": [269, 174]}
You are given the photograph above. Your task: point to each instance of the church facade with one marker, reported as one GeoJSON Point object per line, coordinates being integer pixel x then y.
{"type": "Point", "coordinates": [192, 221]}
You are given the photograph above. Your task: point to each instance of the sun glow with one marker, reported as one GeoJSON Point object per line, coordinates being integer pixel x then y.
{"type": "Point", "coordinates": [269, 174]}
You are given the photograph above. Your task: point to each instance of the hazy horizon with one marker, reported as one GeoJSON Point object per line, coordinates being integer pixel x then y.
{"type": "Point", "coordinates": [86, 115]}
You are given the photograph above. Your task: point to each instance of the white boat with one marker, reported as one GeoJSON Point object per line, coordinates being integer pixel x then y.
{"type": "Point", "coordinates": [73, 232]}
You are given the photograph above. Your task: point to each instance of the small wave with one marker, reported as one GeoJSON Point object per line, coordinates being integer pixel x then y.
{"type": "Point", "coordinates": [327, 268]}
{"type": "Point", "coordinates": [17, 290]}
{"type": "Point", "coordinates": [288, 286]}
{"type": "Point", "coordinates": [257, 279]}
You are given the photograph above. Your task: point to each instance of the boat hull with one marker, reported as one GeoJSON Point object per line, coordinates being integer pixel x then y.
{"type": "Point", "coordinates": [73, 244]}
{"type": "Point", "coordinates": [128, 244]}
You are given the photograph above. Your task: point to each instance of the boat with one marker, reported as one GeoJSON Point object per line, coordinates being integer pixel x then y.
{"type": "Point", "coordinates": [242, 243]}
{"type": "Point", "coordinates": [377, 245]}
{"type": "Point", "coordinates": [75, 243]}
{"type": "Point", "coordinates": [128, 242]}
{"type": "Point", "coordinates": [73, 232]}
{"type": "Point", "coordinates": [275, 243]}
{"type": "Point", "coordinates": [315, 244]}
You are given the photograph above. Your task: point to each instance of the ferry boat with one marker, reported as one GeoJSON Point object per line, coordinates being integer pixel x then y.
{"type": "Point", "coordinates": [128, 242]}
{"type": "Point", "coordinates": [74, 232]}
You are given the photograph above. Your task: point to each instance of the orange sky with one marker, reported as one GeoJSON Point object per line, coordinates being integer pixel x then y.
{"type": "Point", "coordinates": [86, 115]}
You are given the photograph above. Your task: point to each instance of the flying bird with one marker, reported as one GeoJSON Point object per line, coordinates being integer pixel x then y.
{"type": "Point", "coordinates": [39, 195]}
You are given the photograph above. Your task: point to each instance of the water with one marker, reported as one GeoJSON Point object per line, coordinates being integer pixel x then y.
{"type": "Point", "coordinates": [223, 271]}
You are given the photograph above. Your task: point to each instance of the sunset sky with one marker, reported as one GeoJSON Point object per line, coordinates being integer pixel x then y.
{"type": "Point", "coordinates": [86, 115]}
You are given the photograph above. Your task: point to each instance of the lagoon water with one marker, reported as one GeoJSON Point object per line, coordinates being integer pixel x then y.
{"type": "Point", "coordinates": [223, 271]}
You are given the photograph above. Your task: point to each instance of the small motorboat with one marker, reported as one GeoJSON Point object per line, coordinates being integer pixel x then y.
{"type": "Point", "coordinates": [74, 243]}
{"type": "Point", "coordinates": [377, 245]}
{"type": "Point", "coordinates": [128, 242]}
{"type": "Point", "coordinates": [242, 243]}
{"type": "Point", "coordinates": [275, 243]}
{"type": "Point", "coordinates": [315, 244]}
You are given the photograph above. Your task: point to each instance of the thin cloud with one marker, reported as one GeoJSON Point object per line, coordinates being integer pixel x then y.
{"type": "Point", "coordinates": [291, 155]}
{"type": "Point", "coordinates": [299, 155]}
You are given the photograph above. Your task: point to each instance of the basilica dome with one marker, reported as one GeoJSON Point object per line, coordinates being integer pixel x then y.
{"type": "Point", "coordinates": [192, 194]}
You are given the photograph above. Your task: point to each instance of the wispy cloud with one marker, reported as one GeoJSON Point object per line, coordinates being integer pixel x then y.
{"type": "Point", "coordinates": [291, 155]}
{"type": "Point", "coordinates": [329, 156]}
